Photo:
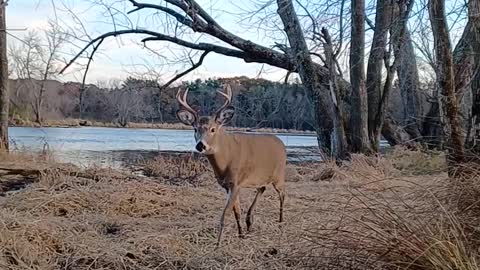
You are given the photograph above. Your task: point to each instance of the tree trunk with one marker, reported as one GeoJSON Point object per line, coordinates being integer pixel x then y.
{"type": "Point", "coordinates": [433, 130]}
{"type": "Point", "coordinates": [395, 134]}
{"type": "Point", "coordinates": [408, 80]}
{"type": "Point", "coordinates": [474, 130]}
{"type": "Point", "coordinates": [39, 102]}
{"type": "Point", "coordinates": [433, 127]}
{"type": "Point", "coordinates": [339, 141]}
{"type": "Point", "coordinates": [359, 107]}
{"type": "Point", "coordinates": [375, 66]}
{"type": "Point", "coordinates": [446, 79]}
{"type": "Point", "coordinates": [4, 99]}
{"type": "Point", "coordinates": [80, 102]}
{"type": "Point", "coordinates": [318, 93]}
{"type": "Point", "coordinates": [38, 117]}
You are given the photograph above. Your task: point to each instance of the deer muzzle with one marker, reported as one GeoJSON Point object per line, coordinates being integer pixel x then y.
{"type": "Point", "coordinates": [200, 147]}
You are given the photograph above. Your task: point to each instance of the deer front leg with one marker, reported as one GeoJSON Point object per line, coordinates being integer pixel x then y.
{"type": "Point", "coordinates": [231, 197]}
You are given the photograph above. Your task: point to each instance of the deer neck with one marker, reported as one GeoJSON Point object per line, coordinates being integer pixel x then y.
{"type": "Point", "coordinates": [220, 160]}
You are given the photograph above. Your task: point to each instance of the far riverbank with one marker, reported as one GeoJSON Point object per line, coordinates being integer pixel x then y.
{"type": "Point", "coordinates": [73, 123]}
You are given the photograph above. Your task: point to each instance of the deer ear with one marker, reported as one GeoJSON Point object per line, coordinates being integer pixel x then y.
{"type": "Point", "coordinates": [225, 116]}
{"type": "Point", "coordinates": [186, 117]}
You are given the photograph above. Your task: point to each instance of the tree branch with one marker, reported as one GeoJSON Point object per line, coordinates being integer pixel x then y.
{"type": "Point", "coordinates": [95, 48]}
{"type": "Point", "coordinates": [158, 36]}
{"type": "Point", "coordinates": [370, 23]}
{"type": "Point", "coordinates": [200, 11]}
{"type": "Point", "coordinates": [192, 68]}
{"type": "Point", "coordinates": [340, 45]}
{"type": "Point", "coordinates": [180, 18]}
{"type": "Point", "coordinates": [266, 57]}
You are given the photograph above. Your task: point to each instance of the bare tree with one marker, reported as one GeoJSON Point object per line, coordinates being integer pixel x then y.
{"type": "Point", "coordinates": [383, 20]}
{"type": "Point", "coordinates": [4, 99]}
{"type": "Point", "coordinates": [320, 91]}
{"type": "Point", "coordinates": [36, 60]}
{"type": "Point", "coordinates": [473, 133]}
{"type": "Point", "coordinates": [126, 102]}
{"type": "Point", "coordinates": [359, 102]}
{"type": "Point", "coordinates": [446, 79]}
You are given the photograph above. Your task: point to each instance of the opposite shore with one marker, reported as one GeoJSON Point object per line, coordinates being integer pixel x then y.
{"type": "Point", "coordinates": [75, 123]}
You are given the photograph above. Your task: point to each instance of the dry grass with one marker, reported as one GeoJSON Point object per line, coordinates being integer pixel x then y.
{"type": "Point", "coordinates": [177, 169]}
{"type": "Point", "coordinates": [366, 214]}
{"type": "Point", "coordinates": [418, 163]}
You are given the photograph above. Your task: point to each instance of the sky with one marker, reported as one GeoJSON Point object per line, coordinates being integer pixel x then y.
{"type": "Point", "coordinates": [121, 57]}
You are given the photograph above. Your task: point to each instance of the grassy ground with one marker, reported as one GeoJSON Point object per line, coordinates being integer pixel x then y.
{"type": "Point", "coordinates": [77, 123]}
{"type": "Point", "coordinates": [371, 213]}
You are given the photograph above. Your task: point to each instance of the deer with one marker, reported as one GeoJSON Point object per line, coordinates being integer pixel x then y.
{"type": "Point", "coordinates": [239, 160]}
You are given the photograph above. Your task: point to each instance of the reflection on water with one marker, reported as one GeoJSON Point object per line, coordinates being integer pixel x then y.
{"type": "Point", "coordinates": [117, 147]}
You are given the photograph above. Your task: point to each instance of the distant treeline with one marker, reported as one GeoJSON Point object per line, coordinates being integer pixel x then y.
{"type": "Point", "coordinates": [258, 102]}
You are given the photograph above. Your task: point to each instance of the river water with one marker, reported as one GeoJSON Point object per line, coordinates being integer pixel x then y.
{"type": "Point", "coordinates": [117, 147]}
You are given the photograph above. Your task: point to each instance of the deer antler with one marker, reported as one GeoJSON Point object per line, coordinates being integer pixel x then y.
{"type": "Point", "coordinates": [228, 97]}
{"type": "Point", "coordinates": [183, 102]}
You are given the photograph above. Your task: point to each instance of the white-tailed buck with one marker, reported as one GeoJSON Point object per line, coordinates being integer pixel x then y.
{"type": "Point", "coordinates": [238, 160]}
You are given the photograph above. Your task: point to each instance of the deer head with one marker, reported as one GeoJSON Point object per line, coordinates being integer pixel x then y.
{"type": "Point", "coordinates": [208, 129]}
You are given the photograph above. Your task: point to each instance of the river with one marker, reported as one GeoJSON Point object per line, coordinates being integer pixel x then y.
{"type": "Point", "coordinates": [117, 147]}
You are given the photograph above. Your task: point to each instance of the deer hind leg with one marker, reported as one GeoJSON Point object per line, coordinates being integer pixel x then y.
{"type": "Point", "coordinates": [237, 211]}
{"type": "Point", "coordinates": [280, 188]}
{"type": "Point", "coordinates": [249, 219]}
{"type": "Point", "coordinates": [232, 195]}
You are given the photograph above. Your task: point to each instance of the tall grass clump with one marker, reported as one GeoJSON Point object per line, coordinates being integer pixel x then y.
{"type": "Point", "coordinates": [412, 162]}
{"type": "Point", "coordinates": [391, 222]}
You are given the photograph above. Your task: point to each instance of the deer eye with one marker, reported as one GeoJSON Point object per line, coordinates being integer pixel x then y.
{"type": "Point", "coordinates": [212, 130]}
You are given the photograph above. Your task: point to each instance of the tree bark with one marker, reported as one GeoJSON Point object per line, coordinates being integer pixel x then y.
{"type": "Point", "coordinates": [4, 97]}
{"type": "Point", "coordinates": [408, 80]}
{"type": "Point", "coordinates": [446, 79]}
{"type": "Point", "coordinates": [433, 130]}
{"type": "Point", "coordinates": [375, 66]}
{"type": "Point", "coordinates": [359, 106]}
{"type": "Point", "coordinates": [318, 92]}
{"type": "Point", "coordinates": [474, 130]}
{"type": "Point", "coordinates": [339, 140]}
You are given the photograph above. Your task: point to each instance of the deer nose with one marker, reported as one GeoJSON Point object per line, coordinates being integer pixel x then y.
{"type": "Point", "coordinates": [200, 147]}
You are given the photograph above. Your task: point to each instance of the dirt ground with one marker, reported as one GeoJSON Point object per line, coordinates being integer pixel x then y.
{"type": "Point", "coordinates": [103, 219]}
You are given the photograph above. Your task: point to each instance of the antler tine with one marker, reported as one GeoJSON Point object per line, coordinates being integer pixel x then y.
{"type": "Point", "coordinates": [183, 101]}
{"type": "Point", "coordinates": [228, 97]}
